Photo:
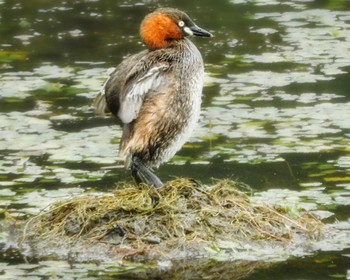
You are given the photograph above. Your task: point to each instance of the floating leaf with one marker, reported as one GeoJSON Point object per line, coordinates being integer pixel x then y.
{"type": "Point", "coordinates": [10, 56]}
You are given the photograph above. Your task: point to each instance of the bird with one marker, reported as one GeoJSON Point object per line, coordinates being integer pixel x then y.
{"type": "Point", "coordinates": [156, 93]}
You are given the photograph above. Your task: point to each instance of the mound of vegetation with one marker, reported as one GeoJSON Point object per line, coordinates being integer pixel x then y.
{"type": "Point", "coordinates": [179, 220]}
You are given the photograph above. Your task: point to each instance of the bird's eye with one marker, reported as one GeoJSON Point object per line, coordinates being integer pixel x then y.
{"type": "Point", "coordinates": [181, 23]}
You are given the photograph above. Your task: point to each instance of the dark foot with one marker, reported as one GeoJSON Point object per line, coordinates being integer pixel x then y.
{"type": "Point", "coordinates": [143, 174]}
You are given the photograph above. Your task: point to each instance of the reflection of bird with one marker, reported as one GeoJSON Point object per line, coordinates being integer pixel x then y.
{"type": "Point", "coordinates": [156, 93]}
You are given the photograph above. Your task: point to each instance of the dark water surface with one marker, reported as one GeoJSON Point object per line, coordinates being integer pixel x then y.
{"type": "Point", "coordinates": [276, 114]}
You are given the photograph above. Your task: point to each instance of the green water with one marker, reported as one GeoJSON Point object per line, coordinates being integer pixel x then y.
{"type": "Point", "coordinates": [276, 116]}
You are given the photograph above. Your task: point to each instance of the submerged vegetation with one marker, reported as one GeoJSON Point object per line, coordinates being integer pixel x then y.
{"type": "Point", "coordinates": [275, 115]}
{"type": "Point", "coordinates": [143, 223]}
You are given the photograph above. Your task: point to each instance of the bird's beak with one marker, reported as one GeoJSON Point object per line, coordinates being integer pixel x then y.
{"type": "Point", "coordinates": [200, 32]}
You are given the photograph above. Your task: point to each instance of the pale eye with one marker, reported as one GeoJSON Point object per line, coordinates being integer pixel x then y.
{"type": "Point", "coordinates": [181, 23]}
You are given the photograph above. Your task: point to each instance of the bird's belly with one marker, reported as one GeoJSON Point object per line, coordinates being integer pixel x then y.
{"type": "Point", "coordinates": [192, 106]}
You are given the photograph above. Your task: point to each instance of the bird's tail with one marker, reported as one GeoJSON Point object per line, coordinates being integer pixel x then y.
{"type": "Point", "coordinates": [100, 104]}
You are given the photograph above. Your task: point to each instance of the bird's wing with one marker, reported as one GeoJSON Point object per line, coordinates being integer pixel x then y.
{"type": "Point", "coordinates": [127, 86]}
{"type": "Point", "coordinates": [137, 88]}
{"type": "Point", "coordinates": [107, 100]}
{"type": "Point", "coordinates": [100, 102]}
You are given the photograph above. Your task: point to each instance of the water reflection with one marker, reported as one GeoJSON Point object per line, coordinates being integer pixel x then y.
{"type": "Point", "coordinates": [275, 109]}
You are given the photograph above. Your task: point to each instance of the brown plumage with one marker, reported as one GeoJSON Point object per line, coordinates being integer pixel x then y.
{"type": "Point", "coordinates": [156, 93]}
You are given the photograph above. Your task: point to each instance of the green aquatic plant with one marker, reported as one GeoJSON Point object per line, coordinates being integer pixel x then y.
{"type": "Point", "coordinates": [10, 56]}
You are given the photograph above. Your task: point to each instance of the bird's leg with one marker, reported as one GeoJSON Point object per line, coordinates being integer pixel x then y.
{"type": "Point", "coordinates": [143, 174]}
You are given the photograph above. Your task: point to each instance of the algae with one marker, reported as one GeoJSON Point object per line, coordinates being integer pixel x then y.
{"type": "Point", "coordinates": [179, 220]}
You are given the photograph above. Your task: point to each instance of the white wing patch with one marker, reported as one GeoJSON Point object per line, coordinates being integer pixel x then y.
{"type": "Point", "coordinates": [130, 106]}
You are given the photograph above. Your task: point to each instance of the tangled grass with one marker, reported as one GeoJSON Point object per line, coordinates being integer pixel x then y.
{"type": "Point", "coordinates": [181, 213]}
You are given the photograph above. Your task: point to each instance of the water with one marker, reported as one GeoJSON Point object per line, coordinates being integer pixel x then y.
{"type": "Point", "coordinates": [275, 115]}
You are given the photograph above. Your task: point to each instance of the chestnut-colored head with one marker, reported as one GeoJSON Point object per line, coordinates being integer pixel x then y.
{"type": "Point", "coordinates": [162, 26]}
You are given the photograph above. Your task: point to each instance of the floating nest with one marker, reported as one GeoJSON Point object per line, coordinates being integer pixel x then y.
{"type": "Point", "coordinates": [182, 219]}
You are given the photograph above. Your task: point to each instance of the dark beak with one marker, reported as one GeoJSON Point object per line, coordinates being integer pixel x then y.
{"type": "Point", "coordinates": [200, 32]}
